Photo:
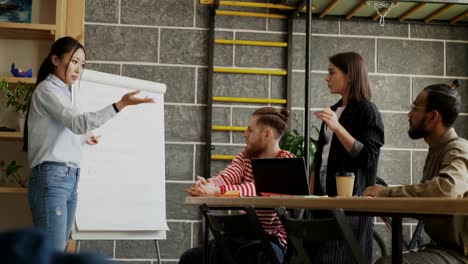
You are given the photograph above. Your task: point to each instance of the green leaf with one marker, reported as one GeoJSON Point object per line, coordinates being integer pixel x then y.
{"type": "Point", "coordinates": [297, 145]}
{"type": "Point", "coordinates": [12, 168]}
{"type": "Point", "coordinates": [293, 142]}
{"type": "Point", "coordinates": [20, 98]}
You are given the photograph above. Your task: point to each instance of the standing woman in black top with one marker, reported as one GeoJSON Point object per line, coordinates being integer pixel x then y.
{"type": "Point", "coordinates": [351, 135]}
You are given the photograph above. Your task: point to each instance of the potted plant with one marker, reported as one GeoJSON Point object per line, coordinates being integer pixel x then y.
{"type": "Point", "coordinates": [11, 171]}
{"type": "Point", "coordinates": [293, 142]}
{"type": "Point", "coordinates": [19, 98]}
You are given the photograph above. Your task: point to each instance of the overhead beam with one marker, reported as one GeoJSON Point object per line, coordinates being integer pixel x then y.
{"type": "Point", "coordinates": [411, 11]}
{"type": "Point", "coordinates": [254, 4]}
{"type": "Point", "coordinates": [355, 10]}
{"type": "Point", "coordinates": [329, 8]}
{"type": "Point", "coordinates": [302, 8]}
{"type": "Point", "coordinates": [437, 13]}
{"type": "Point", "coordinates": [377, 16]}
{"type": "Point", "coordinates": [458, 18]}
{"type": "Point", "coordinates": [383, 10]}
{"type": "Point", "coordinates": [439, 1]}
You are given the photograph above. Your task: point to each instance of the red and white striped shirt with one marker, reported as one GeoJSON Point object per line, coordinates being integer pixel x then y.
{"type": "Point", "coordinates": [238, 176]}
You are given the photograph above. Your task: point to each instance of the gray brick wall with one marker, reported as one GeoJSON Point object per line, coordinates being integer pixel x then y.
{"type": "Point", "coordinates": [166, 41]}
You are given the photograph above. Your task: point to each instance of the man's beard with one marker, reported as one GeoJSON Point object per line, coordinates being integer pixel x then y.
{"type": "Point", "coordinates": [418, 131]}
{"type": "Point", "coordinates": [253, 152]}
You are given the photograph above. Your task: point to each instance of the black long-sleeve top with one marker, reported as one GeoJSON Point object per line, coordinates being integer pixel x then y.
{"type": "Point", "coordinates": [363, 121]}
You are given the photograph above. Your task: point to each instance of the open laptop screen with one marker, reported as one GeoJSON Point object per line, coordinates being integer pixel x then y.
{"type": "Point", "coordinates": [280, 176]}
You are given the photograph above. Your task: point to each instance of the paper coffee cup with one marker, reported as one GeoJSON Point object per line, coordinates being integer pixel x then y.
{"type": "Point", "coordinates": [345, 184]}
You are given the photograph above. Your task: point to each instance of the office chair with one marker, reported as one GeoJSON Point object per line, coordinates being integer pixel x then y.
{"type": "Point", "coordinates": [223, 226]}
{"type": "Point", "coordinates": [416, 240]}
{"type": "Point", "coordinates": [301, 231]}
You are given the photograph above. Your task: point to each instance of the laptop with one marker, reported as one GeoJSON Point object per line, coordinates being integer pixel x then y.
{"type": "Point", "coordinates": [280, 176]}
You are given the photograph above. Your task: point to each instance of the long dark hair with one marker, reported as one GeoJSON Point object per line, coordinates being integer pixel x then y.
{"type": "Point", "coordinates": [60, 47]}
{"type": "Point", "coordinates": [352, 64]}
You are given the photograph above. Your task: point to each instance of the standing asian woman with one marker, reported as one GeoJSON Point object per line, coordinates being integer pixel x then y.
{"type": "Point", "coordinates": [55, 133]}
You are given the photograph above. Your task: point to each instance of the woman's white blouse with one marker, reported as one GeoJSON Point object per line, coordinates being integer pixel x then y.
{"type": "Point", "coordinates": [56, 128]}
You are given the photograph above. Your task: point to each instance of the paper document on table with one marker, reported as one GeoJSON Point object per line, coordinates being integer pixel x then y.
{"type": "Point", "coordinates": [316, 196]}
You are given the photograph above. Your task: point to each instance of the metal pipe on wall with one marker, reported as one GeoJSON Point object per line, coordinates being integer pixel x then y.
{"type": "Point", "coordinates": [209, 92]}
{"type": "Point", "coordinates": [307, 86]}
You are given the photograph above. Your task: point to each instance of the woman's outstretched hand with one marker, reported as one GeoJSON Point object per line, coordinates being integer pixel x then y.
{"type": "Point", "coordinates": [329, 117]}
{"type": "Point", "coordinates": [131, 99]}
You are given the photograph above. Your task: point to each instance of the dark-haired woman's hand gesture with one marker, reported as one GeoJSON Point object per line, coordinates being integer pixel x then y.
{"type": "Point", "coordinates": [329, 117]}
{"type": "Point", "coordinates": [331, 121]}
{"type": "Point", "coordinates": [131, 99]}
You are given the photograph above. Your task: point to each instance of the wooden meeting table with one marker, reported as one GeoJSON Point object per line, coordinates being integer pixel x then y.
{"type": "Point", "coordinates": [397, 208]}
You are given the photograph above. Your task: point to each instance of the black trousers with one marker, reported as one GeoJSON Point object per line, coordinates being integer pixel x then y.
{"type": "Point", "coordinates": [243, 250]}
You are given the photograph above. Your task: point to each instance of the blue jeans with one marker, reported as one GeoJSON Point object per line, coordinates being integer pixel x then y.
{"type": "Point", "coordinates": [52, 198]}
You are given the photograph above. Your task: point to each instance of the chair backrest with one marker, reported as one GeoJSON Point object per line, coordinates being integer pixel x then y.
{"type": "Point", "coordinates": [417, 239]}
{"type": "Point", "coordinates": [332, 228]}
{"type": "Point", "coordinates": [246, 224]}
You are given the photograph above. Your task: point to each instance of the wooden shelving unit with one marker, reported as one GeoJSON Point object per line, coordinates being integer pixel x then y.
{"type": "Point", "coordinates": [27, 31]}
{"type": "Point", "coordinates": [69, 21]}
{"type": "Point", "coordinates": [13, 190]}
{"type": "Point", "coordinates": [11, 136]}
{"type": "Point", "coordinates": [16, 79]}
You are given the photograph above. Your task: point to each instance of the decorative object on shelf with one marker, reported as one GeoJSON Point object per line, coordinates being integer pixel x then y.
{"type": "Point", "coordinates": [19, 99]}
{"type": "Point", "coordinates": [12, 171]}
{"type": "Point", "coordinates": [18, 11]}
{"type": "Point", "coordinates": [19, 73]}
